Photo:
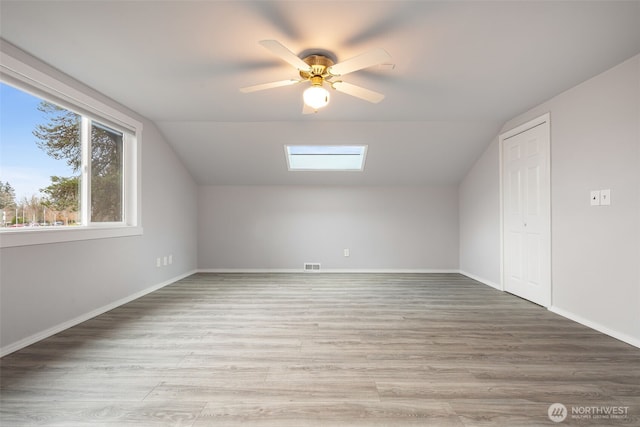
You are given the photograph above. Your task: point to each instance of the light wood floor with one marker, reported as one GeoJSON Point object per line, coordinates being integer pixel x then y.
{"type": "Point", "coordinates": [320, 350]}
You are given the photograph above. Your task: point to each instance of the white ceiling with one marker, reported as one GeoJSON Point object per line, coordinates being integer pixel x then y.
{"type": "Point", "coordinates": [461, 70]}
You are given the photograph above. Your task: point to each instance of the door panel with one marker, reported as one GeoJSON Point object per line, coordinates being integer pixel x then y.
{"type": "Point", "coordinates": [514, 256]}
{"type": "Point", "coordinates": [533, 191]}
{"type": "Point", "coordinates": [515, 185]}
{"type": "Point", "coordinates": [533, 260]}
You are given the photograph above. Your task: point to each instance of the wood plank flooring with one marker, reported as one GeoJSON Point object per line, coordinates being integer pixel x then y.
{"type": "Point", "coordinates": [321, 350]}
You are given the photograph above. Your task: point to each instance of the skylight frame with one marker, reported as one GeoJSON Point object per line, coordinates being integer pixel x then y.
{"type": "Point", "coordinates": [325, 152]}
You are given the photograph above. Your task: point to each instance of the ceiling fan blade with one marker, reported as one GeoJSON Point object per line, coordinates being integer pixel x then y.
{"type": "Point", "coordinates": [365, 60]}
{"type": "Point", "coordinates": [271, 85]}
{"type": "Point", "coordinates": [285, 54]}
{"type": "Point", "coordinates": [358, 92]}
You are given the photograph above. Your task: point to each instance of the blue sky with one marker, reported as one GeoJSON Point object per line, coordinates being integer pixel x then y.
{"type": "Point", "coordinates": [22, 163]}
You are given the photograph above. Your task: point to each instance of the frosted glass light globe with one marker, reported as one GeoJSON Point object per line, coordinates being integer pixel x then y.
{"type": "Point", "coordinates": [316, 97]}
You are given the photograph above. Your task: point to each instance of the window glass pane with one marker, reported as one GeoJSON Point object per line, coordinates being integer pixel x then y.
{"type": "Point", "coordinates": [326, 158]}
{"type": "Point", "coordinates": [328, 162]}
{"type": "Point", "coordinates": [106, 174]}
{"type": "Point", "coordinates": [40, 161]}
{"type": "Point", "coordinates": [328, 150]}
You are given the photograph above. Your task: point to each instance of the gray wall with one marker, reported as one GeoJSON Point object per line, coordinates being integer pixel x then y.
{"type": "Point", "coordinates": [262, 227]}
{"type": "Point", "coordinates": [44, 286]}
{"type": "Point", "coordinates": [479, 199]}
{"type": "Point", "coordinates": [595, 144]}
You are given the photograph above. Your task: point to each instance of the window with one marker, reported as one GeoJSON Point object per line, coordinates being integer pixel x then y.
{"type": "Point", "coordinates": [106, 182]}
{"type": "Point", "coordinates": [68, 163]}
{"type": "Point", "coordinates": [39, 150]}
{"type": "Point", "coordinates": [82, 182]}
{"type": "Point", "coordinates": [325, 157]}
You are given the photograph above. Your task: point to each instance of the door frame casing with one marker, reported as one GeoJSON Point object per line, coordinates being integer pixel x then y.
{"type": "Point", "coordinates": [545, 118]}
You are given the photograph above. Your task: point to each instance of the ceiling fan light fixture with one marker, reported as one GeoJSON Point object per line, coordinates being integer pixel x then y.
{"type": "Point", "coordinates": [319, 67]}
{"type": "Point", "coordinates": [316, 97]}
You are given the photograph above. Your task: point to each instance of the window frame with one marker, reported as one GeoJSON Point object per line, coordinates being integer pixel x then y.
{"type": "Point", "coordinates": [28, 77]}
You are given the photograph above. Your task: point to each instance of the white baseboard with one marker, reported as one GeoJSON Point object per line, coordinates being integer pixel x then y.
{"type": "Point", "coordinates": [248, 270]}
{"type": "Point", "coordinates": [84, 317]}
{"type": "Point", "coordinates": [482, 280]}
{"type": "Point", "coordinates": [598, 327]}
{"type": "Point", "coordinates": [326, 270]}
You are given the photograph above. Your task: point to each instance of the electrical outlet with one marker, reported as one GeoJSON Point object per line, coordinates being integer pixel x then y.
{"type": "Point", "coordinates": [170, 259]}
{"type": "Point", "coordinates": [595, 198]}
{"type": "Point", "coordinates": [605, 197]}
{"type": "Point", "coordinates": [158, 262]}
{"type": "Point", "coordinates": [164, 260]}
{"type": "Point", "coordinates": [346, 252]}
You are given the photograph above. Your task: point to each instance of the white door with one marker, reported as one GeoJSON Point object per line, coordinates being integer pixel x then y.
{"type": "Point", "coordinates": [526, 211]}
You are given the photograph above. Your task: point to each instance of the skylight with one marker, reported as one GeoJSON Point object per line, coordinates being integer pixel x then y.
{"type": "Point", "coordinates": [325, 157]}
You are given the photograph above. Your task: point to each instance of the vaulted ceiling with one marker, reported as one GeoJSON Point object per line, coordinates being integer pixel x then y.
{"type": "Point", "coordinates": [461, 70]}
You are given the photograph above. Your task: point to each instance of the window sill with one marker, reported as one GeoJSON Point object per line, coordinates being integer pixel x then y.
{"type": "Point", "coordinates": [21, 237]}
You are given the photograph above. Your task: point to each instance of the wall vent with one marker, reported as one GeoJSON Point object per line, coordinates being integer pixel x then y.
{"type": "Point", "coordinates": [311, 266]}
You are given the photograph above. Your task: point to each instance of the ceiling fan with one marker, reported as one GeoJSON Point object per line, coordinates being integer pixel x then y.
{"type": "Point", "coordinates": [319, 69]}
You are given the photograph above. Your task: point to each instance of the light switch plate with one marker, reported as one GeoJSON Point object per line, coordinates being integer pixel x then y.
{"type": "Point", "coordinates": [595, 198]}
{"type": "Point", "coordinates": [605, 197]}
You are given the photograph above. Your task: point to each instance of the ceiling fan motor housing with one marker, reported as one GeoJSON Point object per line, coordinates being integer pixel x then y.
{"type": "Point", "coordinates": [319, 65]}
